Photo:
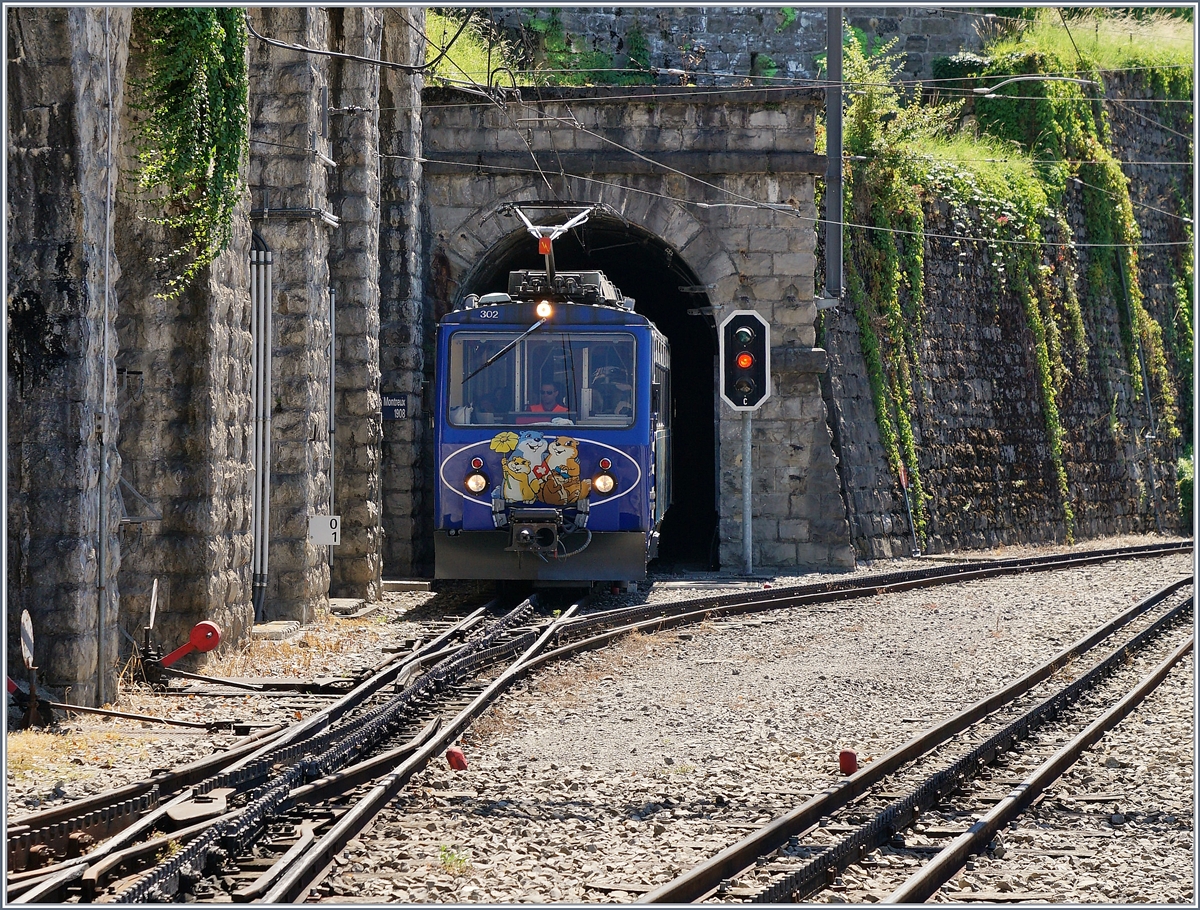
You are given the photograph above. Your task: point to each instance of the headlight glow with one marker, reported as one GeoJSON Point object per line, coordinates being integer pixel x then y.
{"type": "Point", "coordinates": [476, 483]}
{"type": "Point", "coordinates": [604, 483]}
{"type": "Point", "coordinates": [544, 309]}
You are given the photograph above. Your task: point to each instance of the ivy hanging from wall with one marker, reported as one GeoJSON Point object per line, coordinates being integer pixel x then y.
{"type": "Point", "coordinates": [908, 152]}
{"type": "Point", "coordinates": [1007, 175]}
{"type": "Point", "coordinates": [1070, 137]}
{"type": "Point", "coordinates": [191, 142]}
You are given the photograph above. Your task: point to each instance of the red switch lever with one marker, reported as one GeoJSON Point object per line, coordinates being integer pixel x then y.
{"type": "Point", "coordinates": [205, 636]}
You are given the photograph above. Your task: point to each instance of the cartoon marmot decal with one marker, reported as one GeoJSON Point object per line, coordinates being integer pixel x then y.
{"type": "Point", "coordinates": [538, 468]}
{"type": "Point", "coordinates": [519, 483]}
{"type": "Point", "coordinates": [562, 484]}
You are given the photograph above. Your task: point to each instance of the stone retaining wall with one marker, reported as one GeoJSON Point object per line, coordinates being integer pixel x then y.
{"type": "Point", "coordinates": [184, 397]}
{"type": "Point", "coordinates": [403, 332]}
{"type": "Point", "coordinates": [980, 430]}
{"type": "Point", "coordinates": [354, 271]}
{"type": "Point", "coordinates": [719, 45]}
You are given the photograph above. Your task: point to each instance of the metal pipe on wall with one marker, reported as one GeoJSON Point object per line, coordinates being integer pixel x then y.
{"type": "Point", "coordinates": [102, 516]}
{"type": "Point", "coordinates": [256, 290]}
{"type": "Point", "coordinates": [268, 359]}
{"type": "Point", "coordinates": [332, 399]}
{"type": "Point", "coordinates": [254, 427]}
{"type": "Point", "coordinates": [260, 328]}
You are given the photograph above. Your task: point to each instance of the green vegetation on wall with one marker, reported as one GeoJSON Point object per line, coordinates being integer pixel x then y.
{"type": "Point", "coordinates": [562, 59]}
{"type": "Point", "coordinates": [476, 54]}
{"type": "Point", "coordinates": [909, 151]}
{"type": "Point", "coordinates": [1186, 473]}
{"type": "Point", "coordinates": [192, 139]}
{"type": "Point", "coordinates": [1007, 177]}
{"type": "Point", "coordinates": [885, 274]}
{"type": "Point", "coordinates": [1054, 122]}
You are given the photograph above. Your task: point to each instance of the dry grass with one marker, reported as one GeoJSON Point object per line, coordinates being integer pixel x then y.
{"type": "Point", "coordinates": [494, 723]}
{"type": "Point", "coordinates": [68, 756]}
{"type": "Point", "coordinates": [315, 650]}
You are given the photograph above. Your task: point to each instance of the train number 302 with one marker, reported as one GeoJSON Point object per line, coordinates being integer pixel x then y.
{"type": "Point", "coordinates": [489, 314]}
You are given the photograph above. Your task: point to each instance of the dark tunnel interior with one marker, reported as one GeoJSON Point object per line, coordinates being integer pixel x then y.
{"type": "Point", "coordinates": [648, 270]}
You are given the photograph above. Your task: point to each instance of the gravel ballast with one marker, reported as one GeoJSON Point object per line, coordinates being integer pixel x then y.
{"type": "Point", "coordinates": [626, 766]}
{"type": "Point", "coordinates": [618, 769]}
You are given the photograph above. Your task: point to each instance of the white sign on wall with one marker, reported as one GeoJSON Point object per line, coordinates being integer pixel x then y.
{"type": "Point", "coordinates": [325, 530]}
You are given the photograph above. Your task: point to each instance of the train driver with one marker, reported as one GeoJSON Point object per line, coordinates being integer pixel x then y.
{"type": "Point", "coordinates": [548, 401]}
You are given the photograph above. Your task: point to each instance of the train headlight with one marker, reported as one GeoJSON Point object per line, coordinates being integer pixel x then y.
{"type": "Point", "coordinates": [544, 310]}
{"type": "Point", "coordinates": [604, 483]}
{"type": "Point", "coordinates": [476, 482]}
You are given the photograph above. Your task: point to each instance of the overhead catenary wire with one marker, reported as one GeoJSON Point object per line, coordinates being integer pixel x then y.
{"type": "Point", "coordinates": [669, 92]}
{"type": "Point", "coordinates": [1132, 201]}
{"type": "Point", "coordinates": [749, 202]}
{"type": "Point", "coordinates": [1162, 126]}
{"type": "Point", "coordinates": [767, 84]}
{"type": "Point", "coordinates": [782, 208]}
{"type": "Point", "coordinates": [758, 204]}
{"type": "Point", "coordinates": [574, 123]}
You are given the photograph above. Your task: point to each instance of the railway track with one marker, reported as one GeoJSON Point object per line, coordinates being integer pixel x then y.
{"type": "Point", "coordinates": [804, 852]}
{"type": "Point", "coordinates": [279, 854]}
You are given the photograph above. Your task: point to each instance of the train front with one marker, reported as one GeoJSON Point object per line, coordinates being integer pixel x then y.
{"type": "Point", "coordinates": [544, 437]}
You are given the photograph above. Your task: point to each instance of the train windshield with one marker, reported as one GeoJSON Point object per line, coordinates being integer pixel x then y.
{"type": "Point", "coordinates": [569, 378]}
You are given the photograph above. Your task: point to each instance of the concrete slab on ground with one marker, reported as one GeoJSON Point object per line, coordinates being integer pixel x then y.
{"type": "Point", "coordinates": [404, 584]}
{"type": "Point", "coordinates": [275, 631]}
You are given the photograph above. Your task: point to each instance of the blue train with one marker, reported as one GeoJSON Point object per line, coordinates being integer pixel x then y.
{"type": "Point", "coordinates": [552, 428]}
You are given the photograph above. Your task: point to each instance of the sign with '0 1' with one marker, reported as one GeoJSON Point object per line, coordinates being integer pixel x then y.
{"type": "Point", "coordinates": [325, 530]}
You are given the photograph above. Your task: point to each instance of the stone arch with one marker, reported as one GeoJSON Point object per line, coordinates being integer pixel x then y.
{"type": "Point", "coordinates": [477, 234]}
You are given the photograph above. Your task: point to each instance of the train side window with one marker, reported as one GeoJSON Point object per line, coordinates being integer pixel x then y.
{"type": "Point", "coordinates": [661, 395]}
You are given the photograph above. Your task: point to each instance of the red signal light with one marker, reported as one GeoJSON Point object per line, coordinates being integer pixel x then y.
{"type": "Point", "coordinates": [605, 464]}
{"type": "Point", "coordinates": [745, 360]}
{"type": "Point", "coordinates": [477, 463]}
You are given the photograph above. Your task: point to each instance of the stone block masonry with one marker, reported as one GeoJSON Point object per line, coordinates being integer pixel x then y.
{"type": "Point", "coordinates": [405, 332]}
{"type": "Point", "coordinates": [357, 569]}
{"type": "Point", "coordinates": [980, 429]}
{"type": "Point", "coordinates": [65, 73]}
{"type": "Point", "coordinates": [286, 101]}
{"type": "Point", "coordinates": [718, 44]}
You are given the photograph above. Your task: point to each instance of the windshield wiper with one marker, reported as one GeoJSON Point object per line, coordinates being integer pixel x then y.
{"type": "Point", "coordinates": [504, 350]}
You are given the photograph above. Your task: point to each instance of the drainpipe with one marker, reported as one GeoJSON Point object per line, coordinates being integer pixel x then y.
{"type": "Point", "coordinates": [260, 330]}
{"type": "Point", "coordinates": [332, 390]}
{"type": "Point", "coordinates": [102, 619]}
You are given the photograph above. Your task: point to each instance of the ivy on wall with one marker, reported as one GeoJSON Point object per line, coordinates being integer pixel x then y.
{"type": "Point", "coordinates": [1070, 139]}
{"type": "Point", "coordinates": [1007, 177]}
{"type": "Point", "coordinates": [192, 136]}
{"type": "Point", "coordinates": [564, 60]}
{"type": "Point", "coordinates": [885, 282]}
